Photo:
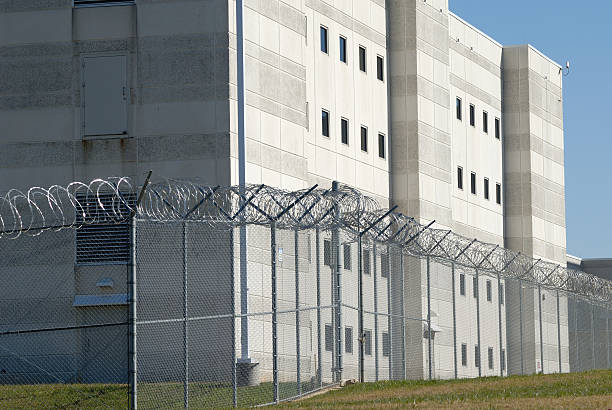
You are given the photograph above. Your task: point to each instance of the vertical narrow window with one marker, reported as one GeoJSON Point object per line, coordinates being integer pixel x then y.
{"type": "Point", "coordinates": [366, 261]}
{"type": "Point", "coordinates": [324, 39]}
{"type": "Point", "coordinates": [367, 342]}
{"type": "Point", "coordinates": [325, 123]}
{"type": "Point", "coordinates": [459, 177]}
{"type": "Point", "coordinates": [485, 122]}
{"type": "Point", "coordinates": [344, 130]}
{"type": "Point", "coordinates": [472, 115]}
{"type": "Point", "coordinates": [490, 357]}
{"type": "Point", "coordinates": [386, 344]}
{"type": "Point", "coordinates": [497, 128]}
{"type": "Point", "coordinates": [364, 139]}
{"type": "Point", "coordinates": [462, 284]}
{"type": "Point", "coordinates": [381, 146]}
{"type": "Point", "coordinates": [473, 183]}
{"type": "Point", "coordinates": [501, 293]}
{"type": "Point", "coordinates": [459, 109]}
{"type": "Point", "coordinates": [327, 252]}
{"type": "Point", "coordinates": [503, 360]}
{"type": "Point", "coordinates": [477, 356]}
{"type": "Point", "coordinates": [343, 49]}
{"type": "Point", "coordinates": [384, 265]}
{"type": "Point", "coordinates": [486, 188]}
{"type": "Point", "coordinates": [475, 287]}
{"type": "Point", "coordinates": [489, 291]}
{"type": "Point", "coordinates": [498, 193]}
{"type": "Point", "coordinates": [348, 339]}
{"type": "Point", "coordinates": [347, 256]}
{"type": "Point", "coordinates": [463, 354]}
{"type": "Point", "coordinates": [329, 338]}
{"type": "Point", "coordinates": [380, 68]}
{"type": "Point", "coordinates": [362, 58]}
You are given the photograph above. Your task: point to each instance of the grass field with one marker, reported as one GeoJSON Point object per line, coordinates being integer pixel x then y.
{"type": "Point", "coordinates": [575, 390]}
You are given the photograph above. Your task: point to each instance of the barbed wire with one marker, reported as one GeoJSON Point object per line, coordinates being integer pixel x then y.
{"type": "Point", "coordinates": [113, 200]}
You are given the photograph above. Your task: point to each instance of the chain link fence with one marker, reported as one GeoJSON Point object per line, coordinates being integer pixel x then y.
{"type": "Point", "coordinates": [173, 308]}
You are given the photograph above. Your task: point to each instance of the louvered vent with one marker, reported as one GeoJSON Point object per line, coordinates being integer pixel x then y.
{"type": "Point", "coordinates": [105, 241]}
{"type": "Point", "coordinates": [86, 3]}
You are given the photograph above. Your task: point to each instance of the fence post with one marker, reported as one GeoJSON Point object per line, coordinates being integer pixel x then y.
{"type": "Point", "coordinates": [576, 333]}
{"type": "Point", "coordinates": [297, 315]}
{"type": "Point", "coordinates": [319, 348]}
{"type": "Point", "coordinates": [338, 291]}
{"type": "Point", "coordinates": [608, 334]}
{"type": "Point", "coordinates": [429, 319]}
{"type": "Point", "coordinates": [541, 336]}
{"type": "Point", "coordinates": [360, 306]}
{"type": "Point", "coordinates": [559, 331]}
{"type": "Point", "coordinates": [593, 334]}
{"type": "Point", "coordinates": [454, 321]}
{"type": "Point", "coordinates": [274, 310]}
{"type": "Point", "coordinates": [233, 284]}
{"type": "Point", "coordinates": [375, 311]}
{"type": "Point", "coordinates": [478, 325]}
{"type": "Point", "coordinates": [185, 324]}
{"type": "Point", "coordinates": [520, 283]}
{"type": "Point", "coordinates": [499, 313]}
{"type": "Point", "coordinates": [133, 315]}
{"type": "Point", "coordinates": [389, 272]}
{"type": "Point", "coordinates": [403, 315]}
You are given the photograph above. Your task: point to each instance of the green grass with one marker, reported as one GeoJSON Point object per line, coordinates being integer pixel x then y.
{"type": "Point", "coordinates": [591, 389]}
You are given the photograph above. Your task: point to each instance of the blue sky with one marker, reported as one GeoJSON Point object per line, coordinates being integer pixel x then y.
{"type": "Point", "coordinates": [579, 32]}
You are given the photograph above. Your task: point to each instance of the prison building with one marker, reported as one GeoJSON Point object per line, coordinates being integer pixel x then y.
{"type": "Point", "coordinates": [402, 100]}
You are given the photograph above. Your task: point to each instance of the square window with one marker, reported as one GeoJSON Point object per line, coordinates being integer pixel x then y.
{"type": "Point", "coordinates": [343, 49]}
{"type": "Point", "coordinates": [490, 357]}
{"type": "Point", "coordinates": [489, 291]}
{"type": "Point", "coordinates": [329, 338]}
{"type": "Point", "coordinates": [364, 139]}
{"type": "Point", "coordinates": [325, 123]}
{"type": "Point", "coordinates": [477, 356]}
{"type": "Point", "coordinates": [473, 183]}
{"type": "Point", "coordinates": [347, 256]}
{"type": "Point", "coordinates": [323, 34]}
{"type": "Point", "coordinates": [344, 129]}
{"type": "Point", "coordinates": [386, 344]}
{"type": "Point", "coordinates": [381, 146]}
{"type": "Point", "coordinates": [463, 354]}
{"type": "Point", "coordinates": [459, 177]}
{"type": "Point", "coordinates": [380, 68]}
{"type": "Point", "coordinates": [497, 128]}
{"type": "Point", "coordinates": [486, 188]}
{"type": "Point", "coordinates": [366, 261]}
{"type": "Point", "coordinates": [327, 260]}
{"type": "Point", "coordinates": [485, 122]}
{"type": "Point", "coordinates": [362, 58]}
{"type": "Point", "coordinates": [472, 115]}
{"type": "Point", "coordinates": [384, 265]}
{"type": "Point", "coordinates": [348, 339]}
{"type": "Point", "coordinates": [475, 286]}
{"type": "Point", "coordinates": [367, 342]}
{"type": "Point", "coordinates": [458, 109]}
{"type": "Point", "coordinates": [462, 284]}
{"type": "Point", "coordinates": [498, 193]}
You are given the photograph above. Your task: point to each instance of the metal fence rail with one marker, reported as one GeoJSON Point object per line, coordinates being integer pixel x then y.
{"type": "Point", "coordinates": [337, 289]}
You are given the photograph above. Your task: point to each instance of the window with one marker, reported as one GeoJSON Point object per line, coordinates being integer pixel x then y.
{"type": "Point", "coordinates": [458, 109]}
{"type": "Point", "coordinates": [325, 123]}
{"type": "Point", "coordinates": [463, 354]}
{"type": "Point", "coordinates": [462, 284]}
{"type": "Point", "coordinates": [486, 188]}
{"type": "Point", "coordinates": [386, 344]}
{"type": "Point", "coordinates": [367, 342]}
{"type": "Point", "coordinates": [490, 357]}
{"type": "Point", "coordinates": [501, 293]}
{"type": "Point", "coordinates": [329, 338]}
{"type": "Point", "coordinates": [485, 122]}
{"type": "Point", "coordinates": [362, 58]}
{"type": "Point", "coordinates": [489, 295]}
{"type": "Point", "coordinates": [381, 146]}
{"type": "Point", "coordinates": [497, 128]}
{"type": "Point", "coordinates": [344, 130]}
{"type": "Point", "coordinates": [384, 265]}
{"type": "Point", "coordinates": [498, 193]}
{"type": "Point", "coordinates": [348, 339]}
{"type": "Point", "coordinates": [343, 49]}
{"type": "Point", "coordinates": [475, 286]}
{"type": "Point", "coordinates": [473, 183]}
{"type": "Point", "coordinates": [503, 360]}
{"type": "Point", "coordinates": [327, 252]}
{"type": "Point", "coordinates": [104, 95]}
{"type": "Point", "coordinates": [472, 115]}
{"type": "Point", "coordinates": [366, 261]}
{"type": "Point", "coordinates": [364, 139]}
{"type": "Point", "coordinates": [380, 68]}
{"type": "Point", "coordinates": [324, 39]}
{"type": "Point", "coordinates": [347, 256]}
{"type": "Point", "coordinates": [477, 356]}
{"type": "Point", "coordinates": [459, 177]}
{"type": "Point", "coordinates": [92, 3]}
